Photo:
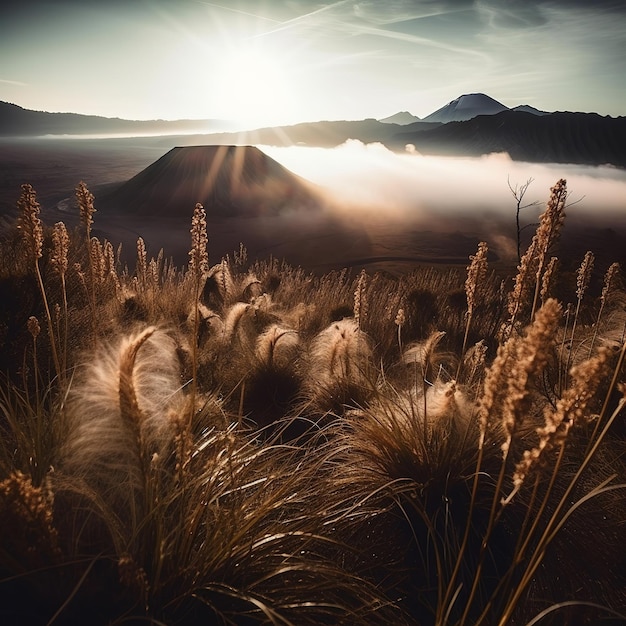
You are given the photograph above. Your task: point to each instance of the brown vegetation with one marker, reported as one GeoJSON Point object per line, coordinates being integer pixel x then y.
{"type": "Point", "coordinates": [248, 443]}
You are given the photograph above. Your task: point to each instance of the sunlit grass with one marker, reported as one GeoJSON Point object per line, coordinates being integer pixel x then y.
{"type": "Point", "coordinates": [247, 443]}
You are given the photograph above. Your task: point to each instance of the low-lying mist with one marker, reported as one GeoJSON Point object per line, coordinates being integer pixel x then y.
{"type": "Point", "coordinates": [367, 183]}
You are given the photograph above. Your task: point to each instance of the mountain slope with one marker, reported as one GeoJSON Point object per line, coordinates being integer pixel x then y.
{"type": "Point", "coordinates": [582, 138]}
{"type": "Point", "coordinates": [466, 107]}
{"type": "Point", "coordinates": [18, 122]}
{"type": "Point", "coordinates": [226, 180]}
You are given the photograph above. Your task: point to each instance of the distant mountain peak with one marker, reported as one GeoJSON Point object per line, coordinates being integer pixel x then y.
{"type": "Point", "coordinates": [465, 107]}
{"type": "Point", "coordinates": [402, 118]}
{"type": "Point", "coordinates": [526, 108]}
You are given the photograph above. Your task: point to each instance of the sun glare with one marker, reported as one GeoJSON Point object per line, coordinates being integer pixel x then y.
{"type": "Point", "coordinates": [254, 88]}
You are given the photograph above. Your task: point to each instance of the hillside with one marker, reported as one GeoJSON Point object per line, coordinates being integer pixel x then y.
{"type": "Point", "coordinates": [16, 121]}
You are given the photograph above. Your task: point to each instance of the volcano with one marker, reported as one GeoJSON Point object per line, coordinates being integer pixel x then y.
{"type": "Point", "coordinates": [227, 180]}
{"type": "Point", "coordinates": [466, 107]}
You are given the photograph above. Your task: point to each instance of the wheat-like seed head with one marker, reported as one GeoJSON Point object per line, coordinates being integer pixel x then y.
{"type": "Point", "coordinates": [360, 301]}
{"type": "Point", "coordinates": [86, 206]}
{"type": "Point", "coordinates": [97, 263]}
{"type": "Point", "coordinates": [476, 274]}
{"type": "Point", "coordinates": [142, 261]}
{"type": "Point", "coordinates": [29, 223]}
{"type": "Point", "coordinates": [531, 357]}
{"type": "Point", "coordinates": [26, 516]}
{"type": "Point", "coordinates": [33, 326]}
{"type": "Point", "coordinates": [533, 262]}
{"type": "Point", "coordinates": [60, 248]}
{"type": "Point", "coordinates": [609, 280]}
{"type": "Point", "coordinates": [517, 362]}
{"type": "Point", "coordinates": [548, 279]}
{"type": "Point", "coordinates": [198, 255]}
{"type": "Point", "coordinates": [570, 408]}
{"type": "Point", "coordinates": [583, 276]}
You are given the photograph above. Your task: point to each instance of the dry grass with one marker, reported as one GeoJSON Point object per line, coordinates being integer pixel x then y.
{"type": "Point", "coordinates": [246, 444]}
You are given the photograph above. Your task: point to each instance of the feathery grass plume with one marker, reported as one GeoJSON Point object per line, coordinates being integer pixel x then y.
{"type": "Point", "coordinates": [276, 347]}
{"type": "Point", "coordinates": [474, 365]}
{"type": "Point", "coordinates": [504, 405]}
{"type": "Point", "coordinates": [86, 206]}
{"type": "Point", "coordinates": [340, 362]}
{"type": "Point", "coordinates": [476, 275]}
{"type": "Point", "coordinates": [421, 417]}
{"type": "Point", "coordinates": [59, 262]}
{"type": "Point", "coordinates": [426, 361]}
{"type": "Point", "coordinates": [610, 278]}
{"type": "Point", "coordinates": [251, 287]}
{"type": "Point", "coordinates": [198, 268]}
{"type": "Point", "coordinates": [110, 268]}
{"type": "Point", "coordinates": [219, 287]}
{"type": "Point", "coordinates": [141, 270]}
{"type": "Point", "coordinates": [239, 328]}
{"type": "Point", "coordinates": [97, 261]}
{"type": "Point", "coordinates": [530, 270]}
{"type": "Point", "coordinates": [548, 279]}
{"type": "Point", "coordinates": [118, 412]}
{"type": "Point", "coordinates": [413, 482]}
{"type": "Point", "coordinates": [60, 248]}
{"type": "Point", "coordinates": [211, 324]}
{"type": "Point", "coordinates": [29, 224]}
{"type": "Point", "coordinates": [32, 234]}
{"type": "Point", "coordinates": [360, 301]}
{"type": "Point", "coordinates": [570, 409]}
{"type": "Point", "coordinates": [583, 278]}
{"type": "Point", "coordinates": [532, 354]}
{"type": "Point", "coordinates": [198, 254]}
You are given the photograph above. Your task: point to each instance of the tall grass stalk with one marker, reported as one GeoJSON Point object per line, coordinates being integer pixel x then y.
{"type": "Point", "coordinates": [86, 207]}
{"type": "Point", "coordinates": [59, 261]}
{"type": "Point", "coordinates": [198, 269]}
{"type": "Point", "coordinates": [529, 277]}
{"type": "Point", "coordinates": [476, 275]}
{"type": "Point", "coordinates": [32, 231]}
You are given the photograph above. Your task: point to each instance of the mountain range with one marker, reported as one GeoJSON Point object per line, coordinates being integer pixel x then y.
{"type": "Point", "coordinates": [470, 125]}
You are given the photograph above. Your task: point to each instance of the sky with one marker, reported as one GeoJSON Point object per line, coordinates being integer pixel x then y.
{"type": "Point", "coordinates": [281, 62]}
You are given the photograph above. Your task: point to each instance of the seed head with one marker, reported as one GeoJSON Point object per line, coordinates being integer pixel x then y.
{"type": "Point", "coordinates": [60, 248]}
{"type": "Point", "coordinates": [198, 255]}
{"type": "Point", "coordinates": [29, 222]}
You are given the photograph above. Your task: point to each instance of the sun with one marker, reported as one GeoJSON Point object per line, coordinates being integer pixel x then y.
{"type": "Point", "coordinates": [253, 87]}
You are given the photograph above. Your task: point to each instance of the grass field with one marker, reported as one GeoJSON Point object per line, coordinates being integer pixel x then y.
{"type": "Point", "coordinates": [239, 441]}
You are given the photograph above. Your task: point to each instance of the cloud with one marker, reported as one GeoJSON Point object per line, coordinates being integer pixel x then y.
{"type": "Point", "coordinates": [449, 194]}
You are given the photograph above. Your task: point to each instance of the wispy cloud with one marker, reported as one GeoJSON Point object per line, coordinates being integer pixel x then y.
{"type": "Point", "coordinates": [17, 83]}
{"type": "Point", "coordinates": [304, 18]}
{"type": "Point", "coordinates": [239, 11]}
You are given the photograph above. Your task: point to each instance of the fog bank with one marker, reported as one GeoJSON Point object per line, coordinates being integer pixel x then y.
{"type": "Point", "coordinates": [370, 185]}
